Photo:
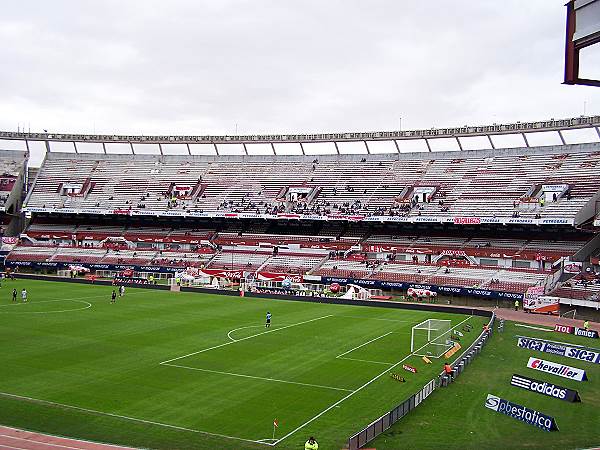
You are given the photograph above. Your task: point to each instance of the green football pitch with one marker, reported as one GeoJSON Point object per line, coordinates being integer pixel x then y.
{"type": "Point", "coordinates": [186, 370]}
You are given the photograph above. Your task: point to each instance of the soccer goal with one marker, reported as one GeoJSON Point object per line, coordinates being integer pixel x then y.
{"type": "Point", "coordinates": [431, 338]}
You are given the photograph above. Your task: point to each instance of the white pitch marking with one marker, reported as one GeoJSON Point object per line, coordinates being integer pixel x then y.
{"type": "Point", "coordinates": [329, 408]}
{"type": "Point", "coordinates": [533, 328]}
{"type": "Point", "coordinates": [257, 378]}
{"type": "Point", "coordinates": [241, 328]}
{"type": "Point", "coordinates": [362, 345]}
{"type": "Point", "coordinates": [89, 305]}
{"type": "Point", "coordinates": [243, 339]}
{"type": "Point", "coordinates": [365, 360]}
{"type": "Point", "coordinates": [133, 419]}
{"type": "Point", "coordinates": [376, 318]}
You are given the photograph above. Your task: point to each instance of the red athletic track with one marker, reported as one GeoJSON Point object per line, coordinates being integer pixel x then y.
{"type": "Point", "coordinates": [15, 439]}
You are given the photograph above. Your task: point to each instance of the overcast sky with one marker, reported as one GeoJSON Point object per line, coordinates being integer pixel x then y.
{"type": "Point", "coordinates": [198, 66]}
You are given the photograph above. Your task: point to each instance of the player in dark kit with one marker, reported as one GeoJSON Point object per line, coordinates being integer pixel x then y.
{"type": "Point", "coordinates": [268, 323]}
{"type": "Point", "coordinates": [113, 296]}
{"type": "Point", "coordinates": [14, 295]}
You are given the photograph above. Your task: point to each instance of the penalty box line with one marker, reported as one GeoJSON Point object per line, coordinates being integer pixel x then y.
{"type": "Point", "coordinates": [243, 339]}
{"type": "Point", "coordinates": [241, 375]}
{"type": "Point", "coordinates": [329, 408]}
{"type": "Point", "coordinates": [132, 419]}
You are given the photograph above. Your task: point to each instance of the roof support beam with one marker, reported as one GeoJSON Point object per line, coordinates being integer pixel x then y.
{"type": "Point", "coordinates": [132, 150]}
{"type": "Point", "coordinates": [367, 147]}
{"type": "Point", "coordinates": [397, 146]}
{"type": "Point", "coordinates": [525, 139]}
{"type": "Point", "coordinates": [302, 148]}
{"type": "Point", "coordinates": [245, 149]}
{"type": "Point", "coordinates": [75, 146]}
{"type": "Point", "coordinates": [216, 148]}
{"type": "Point", "coordinates": [273, 148]}
{"type": "Point", "coordinates": [104, 147]}
{"type": "Point", "coordinates": [336, 147]}
{"type": "Point", "coordinates": [188, 149]}
{"type": "Point", "coordinates": [459, 143]}
{"type": "Point", "coordinates": [597, 131]}
{"type": "Point", "coordinates": [562, 138]}
{"type": "Point", "coordinates": [428, 146]}
{"type": "Point", "coordinates": [491, 142]}
{"type": "Point", "coordinates": [160, 149]}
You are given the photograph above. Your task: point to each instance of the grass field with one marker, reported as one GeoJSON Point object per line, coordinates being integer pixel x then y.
{"type": "Point", "coordinates": [455, 418]}
{"type": "Point", "coordinates": [182, 370]}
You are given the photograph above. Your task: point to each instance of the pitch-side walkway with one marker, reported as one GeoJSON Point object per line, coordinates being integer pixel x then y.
{"type": "Point", "coordinates": [523, 317]}
{"type": "Point", "coordinates": [15, 439]}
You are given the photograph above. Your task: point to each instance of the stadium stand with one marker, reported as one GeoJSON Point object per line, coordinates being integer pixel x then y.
{"type": "Point", "coordinates": [538, 184]}
{"type": "Point", "coordinates": [490, 219]}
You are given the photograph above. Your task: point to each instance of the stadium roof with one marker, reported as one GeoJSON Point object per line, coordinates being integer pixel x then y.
{"type": "Point", "coordinates": [553, 132]}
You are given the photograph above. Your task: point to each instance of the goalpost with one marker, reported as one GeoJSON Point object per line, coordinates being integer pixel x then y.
{"type": "Point", "coordinates": [431, 338]}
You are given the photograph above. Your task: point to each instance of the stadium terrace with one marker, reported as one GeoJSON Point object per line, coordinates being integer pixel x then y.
{"type": "Point", "coordinates": [485, 222]}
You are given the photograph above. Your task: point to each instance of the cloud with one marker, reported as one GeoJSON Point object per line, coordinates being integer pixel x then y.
{"type": "Point", "coordinates": [195, 67]}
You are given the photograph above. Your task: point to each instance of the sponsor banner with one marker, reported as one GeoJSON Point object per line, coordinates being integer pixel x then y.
{"type": "Point", "coordinates": [467, 220]}
{"type": "Point", "coordinates": [522, 413]}
{"type": "Point", "coordinates": [352, 218]}
{"type": "Point", "coordinates": [522, 220]}
{"type": "Point", "coordinates": [490, 220]}
{"type": "Point", "coordinates": [557, 222]}
{"type": "Point", "coordinates": [452, 351]}
{"type": "Point", "coordinates": [232, 274]}
{"type": "Point", "coordinates": [114, 267]}
{"type": "Point", "coordinates": [270, 276]}
{"type": "Point", "coordinates": [572, 267]}
{"type": "Point", "coordinates": [542, 387]}
{"type": "Point", "coordinates": [560, 370]}
{"type": "Point", "coordinates": [453, 253]}
{"type": "Point", "coordinates": [560, 348]}
{"type": "Point", "coordinates": [448, 290]}
{"type": "Point", "coordinates": [586, 333]}
{"type": "Point", "coordinates": [564, 328]}
{"type": "Point", "coordinates": [130, 280]}
{"type": "Point", "coordinates": [409, 368]}
{"type": "Point", "coordinates": [531, 297]}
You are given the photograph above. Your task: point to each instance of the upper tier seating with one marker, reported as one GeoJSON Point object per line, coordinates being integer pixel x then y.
{"type": "Point", "coordinates": [469, 186]}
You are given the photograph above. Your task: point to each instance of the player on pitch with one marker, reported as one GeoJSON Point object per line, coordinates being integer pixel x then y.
{"type": "Point", "coordinates": [268, 322]}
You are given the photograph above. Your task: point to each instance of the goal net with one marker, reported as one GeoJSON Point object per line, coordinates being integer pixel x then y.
{"type": "Point", "coordinates": [431, 338]}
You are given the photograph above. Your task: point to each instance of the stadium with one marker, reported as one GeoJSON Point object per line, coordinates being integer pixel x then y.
{"type": "Point", "coordinates": [420, 288]}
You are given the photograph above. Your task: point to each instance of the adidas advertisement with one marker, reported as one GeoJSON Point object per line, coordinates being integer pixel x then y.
{"type": "Point", "coordinates": [560, 348]}
{"type": "Point", "coordinates": [561, 370]}
{"type": "Point", "coordinates": [542, 387]}
{"type": "Point", "coordinates": [530, 416]}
